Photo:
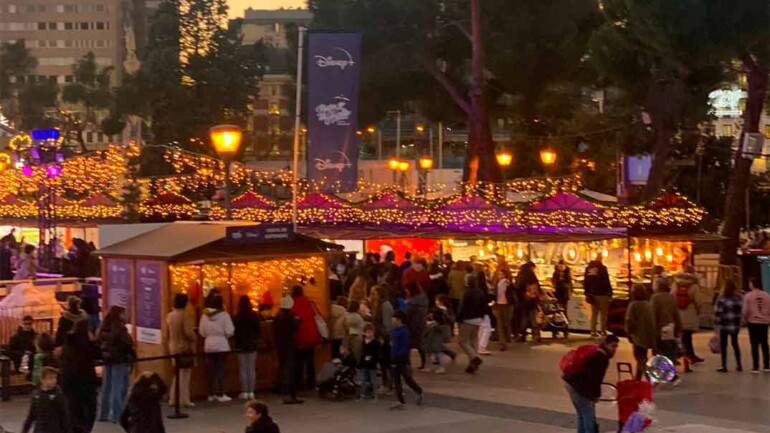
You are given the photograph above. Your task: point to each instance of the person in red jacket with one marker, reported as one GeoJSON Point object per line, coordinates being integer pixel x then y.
{"type": "Point", "coordinates": [306, 338]}
{"type": "Point", "coordinates": [417, 273]}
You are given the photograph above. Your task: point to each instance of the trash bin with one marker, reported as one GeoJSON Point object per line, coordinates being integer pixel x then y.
{"type": "Point", "coordinates": [764, 267]}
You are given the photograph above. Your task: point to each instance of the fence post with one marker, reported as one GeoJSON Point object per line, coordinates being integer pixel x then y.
{"type": "Point", "coordinates": [178, 414]}
{"type": "Point", "coordinates": [5, 378]}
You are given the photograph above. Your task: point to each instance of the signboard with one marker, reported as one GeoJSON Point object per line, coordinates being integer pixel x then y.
{"type": "Point", "coordinates": [638, 169]}
{"type": "Point", "coordinates": [333, 79]}
{"type": "Point", "coordinates": [148, 302]}
{"type": "Point", "coordinates": [259, 234]}
{"type": "Point", "coordinates": [119, 284]}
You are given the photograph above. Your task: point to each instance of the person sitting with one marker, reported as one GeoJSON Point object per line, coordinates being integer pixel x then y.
{"type": "Point", "coordinates": [23, 342]}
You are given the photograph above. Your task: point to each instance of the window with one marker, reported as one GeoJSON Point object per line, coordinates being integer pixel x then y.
{"type": "Point", "coordinates": [41, 8]}
{"type": "Point", "coordinates": [90, 137]}
{"type": "Point", "coordinates": [41, 26]}
{"type": "Point", "coordinates": [68, 43]}
{"type": "Point", "coordinates": [101, 43]}
{"type": "Point", "coordinates": [51, 26]}
{"type": "Point", "coordinates": [100, 26]}
{"type": "Point", "coordinates": [727, 130]}
{"type": "Point", "coordinates": [99, 8]}
{"type": "Point", "coordinates": [31, 9]}
{"type": "Point", "coordinates": [83, 26]}
{"type": "Point", "coordinates": [70, 8]}
{"type": "Point", "coordinates": [69, 79]}
{"type": "Point", "coordinates": [60, 8]}
{"type": "Point", "coordinates": [68, 26]}
{"type": "Point", "coordinates": [12, 9]}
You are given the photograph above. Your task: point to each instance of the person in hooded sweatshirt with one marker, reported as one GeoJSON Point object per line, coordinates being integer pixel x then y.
{"type": "Point", "coordinates": [48, 407]}
{"type": "Point", "coordinates": [69, 318]}
{"type": "Point", "coordinates": [216, 326]}
{"type": "Point", "coordinates": [143, 413]}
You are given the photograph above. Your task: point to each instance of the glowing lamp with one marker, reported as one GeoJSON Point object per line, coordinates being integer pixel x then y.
{"type": "Point", "coordinates": [403, 166]}
{"type": "Point", "coordinates": [571, 254]}
{"type": "Point", "coordinates": [26, 170]}
{"type": "Point", "coordinates": [504, 158]}
{"type": "Point", "coordinates": [647, 255]}
{"type": "Point", "coordinates": [426, 162]}
{"type": "Point", "coordinates": [359, 133]}
{"type": "Point", "coordinates": [520, 253]}
{"type": "Point", "coordinates": [371, 129]}
{"type": "Point", "coordinates": [637, 257]}
{"type": "Point", "coordinates": [420, 128]}
{"type": "Point", "coordinates": [605, 252]}
{"type": "Point", "coordinates": [481, 253]}
{"type": "Point", "coordinates": [659, 251]}
{"type": "Point", "coordinates": [670, 258]}
{"type": "Point", "coordinates": [226, 140]}
{"type": "Point", "coordinates": [547, 157]}
{"type": "Point", "coordinates": [53, 170]}
{"type": "Point", "coordinates": [393, 164]}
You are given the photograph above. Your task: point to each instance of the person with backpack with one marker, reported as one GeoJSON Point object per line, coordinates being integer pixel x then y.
{"type": "Point", "coordinates": [756, 312]}
{"type": "Point", "coordinates": [583, 373]}
{"type": "Point", "coordinates": [598, 291]}
{"type": "Point", "coordinates": [686, 294]}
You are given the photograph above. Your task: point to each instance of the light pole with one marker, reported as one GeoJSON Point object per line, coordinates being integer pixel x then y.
{"type": "Point", "coordinates": [226, 140]}
{"type": "Point", "coordinates": [426, 163]}
{"type": "Point", "coordinates": [548, 158]}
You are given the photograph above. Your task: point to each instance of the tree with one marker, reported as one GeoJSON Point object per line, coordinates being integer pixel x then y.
{"type": "Point", "coordinates": [25, 101]}
{"type": "Point", "coordinates": [91, 92]}
{"type": "Point", "coordinates": [742, 29]}
{"type": "Point", "coordinates": [432, 53]}
{"type": "Point", "coordinates": [195, 73]}
{"type": "Point", "coordinates": [660, 53]}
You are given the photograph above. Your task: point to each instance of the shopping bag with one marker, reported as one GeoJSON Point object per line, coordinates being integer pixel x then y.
{"type": "Point", "coordinates": [714, 344]}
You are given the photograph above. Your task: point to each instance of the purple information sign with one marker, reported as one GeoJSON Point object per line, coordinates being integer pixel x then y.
{"type": "Point", "coordinates": [333, 75]}
{"type": "Point", "coordinates": [119, 284]}
{"type": "Point", "coordinates": [148, 302]}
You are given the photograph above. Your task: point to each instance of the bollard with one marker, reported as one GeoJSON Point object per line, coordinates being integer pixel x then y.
{"type": "Point", "coordinates": [5, 378]}
{"type": "Point", "coordinates": [178, 414]}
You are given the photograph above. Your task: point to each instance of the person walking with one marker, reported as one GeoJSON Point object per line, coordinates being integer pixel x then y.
{"type": "Point", "coordinates": [686, 290]}
{"type": "Point", "coordinates": [143, 413]}
{"type": "Point", "coordinates": [181, 341]}
{"type": "Point", "coordinates": [382, 313]}
{"type": "Point", "coordinates": [456, 282]}
{"type": "Point", "coordinates": [285, 327]}
{"type": "Point", "coordinates": [640, 327]}
{"type": "Point", "coordinates": [584, 386]}
{"type": "Point", "coordinates": [369, 363]}
{"type": "Point", "coordinates": [247, 332]}
{"type": "Point", "coordinates": [306, 338]}
{"type": "Point", "coordinates": [756, 312]}
{"type": "Point", "coordinates": [48, 410]}
{"type": "Point", "coordinates": [728, 312]}
{"type": "Point", "coordinates": [216, 327]}
{"type": "Point", "coordinates": [529, 294]}
{"type": "Point", "coordinates": [502, 308]}
{"type": "Point", "coordinates": [402, 370]}
{"type": "Point", "coordinates": [598, 291]}
{"type": "Point", "coordinates": [78, 374]}
{"type": "Point", "coordinates": [562, 284]}
{"type": "Point", "coordinates": [118, 354]}
{"type": "Point", "coordinates": [470, 317]}
{"type": "Point", "coordinates": [668, 321]}
{"type": "Point", "coordinates": [417, 317]}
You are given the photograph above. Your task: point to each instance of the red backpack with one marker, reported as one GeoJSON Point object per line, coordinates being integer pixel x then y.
{"type": "Point", "coordinates": [683, 296]}
{"type": "Point", "coordinates": [574, 360]}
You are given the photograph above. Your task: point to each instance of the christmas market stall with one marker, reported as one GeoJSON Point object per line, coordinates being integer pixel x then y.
{"type": "Point", "coordinates": [142, 273]}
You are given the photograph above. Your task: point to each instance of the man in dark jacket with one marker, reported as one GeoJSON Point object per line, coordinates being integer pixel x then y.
{"type": "Point", "coordinates": [399, 356]}
{"type": "Point", "coordinates": [22, 342]}
{"type": "Point", "coordinates": [285, 327]}
{"type": "Point", "coordinates": [473, 306]}
{"type": "Point", "coordinates": [585, 386]}
{"type": "Point", "coordinates": [598, 291]}
{"type": "Point", "coordinates": [143, 413]}
{"type": "Point", "coordinates": [48, 408]}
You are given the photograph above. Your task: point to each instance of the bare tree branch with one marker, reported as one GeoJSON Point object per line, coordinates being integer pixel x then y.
{"type": "Point", "coordinates": [449, 86]}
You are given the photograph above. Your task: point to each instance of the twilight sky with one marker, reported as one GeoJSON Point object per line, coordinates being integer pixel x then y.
{"type": "Point", "coordinates": [238, 6]}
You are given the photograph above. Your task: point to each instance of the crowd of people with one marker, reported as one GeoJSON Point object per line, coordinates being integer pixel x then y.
{"type": "Point", "coordinates": [19, 260]}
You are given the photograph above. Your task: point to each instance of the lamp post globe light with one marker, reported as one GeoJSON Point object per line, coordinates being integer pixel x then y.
{"type": "Point", "coordinates": [426, 162]}
{"type": "Point", "coordinates": [548, 157]}
{"type": "Point", "coordinates": [504, 158]}
{"type": "Point", "coordinates": [226, 140]}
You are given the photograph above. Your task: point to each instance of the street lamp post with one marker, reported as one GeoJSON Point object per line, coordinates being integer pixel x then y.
{"type": "Point", "coordinates": [226, 140]}
{"type": "Point", "coordinates": [426, 163]}
{"type": "Point", "coordinates": [548, 158]}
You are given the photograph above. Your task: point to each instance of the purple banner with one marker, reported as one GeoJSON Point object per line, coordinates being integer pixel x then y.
{"type": "Point", "coordinates": [333, 73]}
{"type": "Point", "coordinates": [148, 302]}
{"type": "Point", "coordinates": [119, 284]}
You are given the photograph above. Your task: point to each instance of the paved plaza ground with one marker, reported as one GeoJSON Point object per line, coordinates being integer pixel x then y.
{"type": "Point", "coordinates": [515, 391]}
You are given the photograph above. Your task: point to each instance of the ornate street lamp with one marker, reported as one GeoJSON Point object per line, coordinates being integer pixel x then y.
{"type": "Point", "coordinates": [504, 158]}
{"type": "Point", "coordinates": [548, 157]}
{"type": "Point", "coordinates": [426, 162]}
{"type": "Point", "coordinates": [226, 140]}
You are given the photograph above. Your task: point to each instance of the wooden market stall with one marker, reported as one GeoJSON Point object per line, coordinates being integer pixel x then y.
{"type": "Point", "coordinates": [143, 273]}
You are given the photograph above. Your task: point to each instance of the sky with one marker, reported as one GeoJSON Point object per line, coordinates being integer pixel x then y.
{"type": "Point", "coordinates": [238, 6]}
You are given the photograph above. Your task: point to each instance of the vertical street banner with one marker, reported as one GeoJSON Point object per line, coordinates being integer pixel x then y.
{"type": "Point", "coordinates": [148, 302]}
{"type": "Point", "coordinates": [334, 65]}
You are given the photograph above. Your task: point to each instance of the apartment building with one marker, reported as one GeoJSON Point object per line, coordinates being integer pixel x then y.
{"type": "Point", "coordinates": [271, 26]}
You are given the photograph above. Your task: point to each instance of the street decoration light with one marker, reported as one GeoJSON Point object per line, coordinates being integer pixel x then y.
{"type": "Point", "coordinates": [504, 158]}
{"type": "Point", "coordinates": [426, 162]}
{"type": "Point", "coordinates": [548, 157]}
{"type": "Point", "coordinates": [226, 140]}
{"type": "Point", "coordinates": [393, 164]}
{"type": "Point", "coordinates": [403, 166]}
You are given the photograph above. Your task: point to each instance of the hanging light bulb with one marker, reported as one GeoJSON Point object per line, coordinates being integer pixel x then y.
{"type": "Point", "coordinates": [605, 252]}
{"type": "Point", "coordinates": [481, 252]}
{"type": "Point", "coordinates": [571, 254]}
{"type": "Point", "coordinates": [647, 255]}
{"type": "Point", "coordinates": [520, 253]}
{"type": "Point", "coordinates": [659, 251]}
{"type": "Point", "coordinates": [670, 258]}
{"type": "Point", "coordinates": [637, 256]}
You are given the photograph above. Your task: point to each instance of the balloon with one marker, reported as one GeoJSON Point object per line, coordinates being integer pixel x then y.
{"type": "Point", "coordinates": [660, 369]}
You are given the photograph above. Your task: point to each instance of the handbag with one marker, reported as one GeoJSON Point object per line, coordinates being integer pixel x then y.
{"type": "Point", "coordinates": [320, 323]}
{"type": "Point", "coordinates": [715, 344]}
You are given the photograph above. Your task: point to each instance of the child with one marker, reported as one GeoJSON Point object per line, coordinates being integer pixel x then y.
{"type": "Point", "coordinates": [48, 408]}
{"type": "Point", "coordinates": [370, 359]}
{"type": "Point", "coordinates": [259, 419]}
{"type": "Point", "coordinates": [44, 357]}
{"type": "Point", "coordinates": [399, 354]}
{"type": "Point", "coordinates": [142, 413]}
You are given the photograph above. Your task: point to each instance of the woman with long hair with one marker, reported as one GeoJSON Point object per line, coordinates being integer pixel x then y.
{"type": "Point", "coordinates": [117, 354]}
{"type": "Point", "coordinates": [358, 289]}
{"type": "Point", "coordinates": [181, 341]}
{"type": "Point", "coordinates": [640, 327]}
{"type": "Point", "coordinates": [79, 381]}
{"type": "Point", "coordinates": [728, 312]}
{"type": "Point", "coordinates": [247, 333]}
{"type": "Point", "coordinates": [216, 327]}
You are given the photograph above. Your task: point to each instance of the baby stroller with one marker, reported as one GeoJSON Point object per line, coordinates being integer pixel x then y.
{"type": "Point", "coordinates": [337, 379]}
{"type": "Point", "coordinates": [554, 316]}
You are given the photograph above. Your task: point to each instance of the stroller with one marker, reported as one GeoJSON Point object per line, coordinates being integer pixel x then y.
{"type": "Point", "coordinates": [337, 379]}
{"type": "Point", "coordinates": [554, 316]}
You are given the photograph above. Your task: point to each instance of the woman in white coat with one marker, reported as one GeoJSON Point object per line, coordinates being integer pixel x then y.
{"type": "Point", "coordinates": [216, 327]}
